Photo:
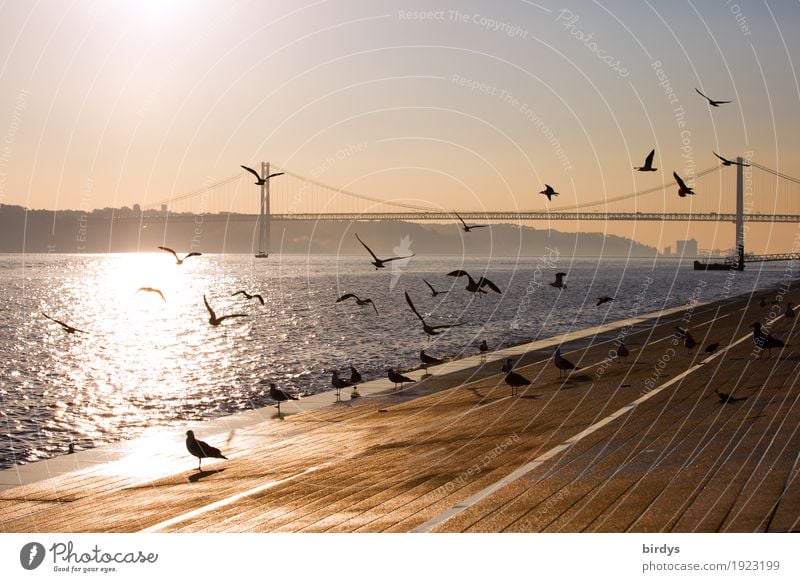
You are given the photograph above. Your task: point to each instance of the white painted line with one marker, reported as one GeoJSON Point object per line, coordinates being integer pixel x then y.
{"type": "Point", "coordinates": [531, 465]}
{"type": "Point", "coordinates": [223, 502]}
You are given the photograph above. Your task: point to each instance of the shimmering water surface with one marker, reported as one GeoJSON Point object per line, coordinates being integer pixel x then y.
{"type": "Point", "coordinates": [146, 364]}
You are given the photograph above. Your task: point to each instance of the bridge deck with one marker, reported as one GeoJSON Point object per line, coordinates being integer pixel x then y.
{"type": "Point", "coordinates": [610, 448]}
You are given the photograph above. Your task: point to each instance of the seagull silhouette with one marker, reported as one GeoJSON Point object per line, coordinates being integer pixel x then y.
{"type": "Point", "coordinates": [549, 192]}
{"type": "Point", "coordinates": [152, 290]}
{"type": "Point", "coordinates": [248, 296]}
{"type": "Point", "coordinates": [563, 364]}
{"type": "Point", "coordinates": [765, 341]}
{"type": "Point", "coordinates": [515, 381]}
{"type": "Point", "coordinates": [201, 449]}
{"type": "Point", "coordinates": [711, 101]}
{"type": "Point", "coordinates": [483, 349]}
{"type": "Point", "coordinates": [648, 163]}
{"type": "Point", "coordinates": [622, 351]}
{"type": "Point", "coordinates": [64, 326]}
{"type": "Point", "coordinates": [177, 260]}
{"type": "Point", "coordinates": [689, 342]}
{"type": "Point", "coordinates": [434, 292]}
{"type": "Point", "coordinates": [475, 286]}
{"type": "Point", "coordinates": [559, 282]}
{"type": "Point", "coordinates": [683, 189]}
{"type": "Point", "coordinates": [428, 360]}
{"type": "Point", "coordinates": [339, 383]}
{"type": "Point", "coordinates": [397, 378]}
{"type": "Point", "coordinates": [259, 180]}
{"type": "Point", "coordinates": [213, 319]}
{"type": "Point", "coordinates": [279, 396]}
{"type": "Point", "coordinates": [359, 301]}
{"type": "Point", "coordinates": [431, 330]}
{"type": "Point", "coordinates": [789, 313]}
{"type": "Point", "coordinates": [727, 162]}
{"type": "Point", "coordinates": [711, 348]}
{"type": "Point", "coordinates": [466, 228]}
{"type": "Point", "coordinates": [355, 379]}
{"type": "Point", "coordinates": [603, 299]}
{"type": "Point", "coordinates": [379, 263]}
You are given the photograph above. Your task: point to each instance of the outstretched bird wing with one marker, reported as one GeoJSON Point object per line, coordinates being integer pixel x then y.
{"type": "Point", "coordinates": [62, 324]}
{"type": "Point", "coordinates": [648, 162]}
{"type": "Point", "coordinates": [447, 326]}
{"type": "Point", "coordinates": [461, 219]}
{"type": "Point", "coordinates": [347, 296]}
{"type": "Point", "coordinates": [232, 315]}
{"type": "Point", "coordinates": [373, 305]}
{"type": "Point", "coordinates": [397, 258]}
{"type": "Point", "coordinates": [484, 282]}
{"type": "Point", "coordinates": [259, 297]}
{"type": "Point", "coordinates": [169, 250]}
{"type": "Point", "coordinates": [245, 293]}
{"type": "Point", "coordinates": [252, 171]}
{"type": "Point", "coordinates": [275, 174]}
{"type": "Point", "coordinates": [366, 247]}
{"type": "Point", "coordinates": [458, 273]}
{"type": "Point", "coordinates": [701, 93]}
{"type": "Point", "coordinates": [210, 311]}
{"type": "Point", "coordinates": [414, 309]}
{"type": "Point", "coordinates": [192, 255]}
{"type": "Point", "coordinates": [724, 160]}
{"type": "Point", "coordinates": [431, 287]}
{"type": "Point", "coordinates": [152, 290]}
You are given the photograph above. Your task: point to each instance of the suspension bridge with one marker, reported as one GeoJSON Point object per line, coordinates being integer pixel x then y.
{"type": "Point", "coordinates": [739, 194]}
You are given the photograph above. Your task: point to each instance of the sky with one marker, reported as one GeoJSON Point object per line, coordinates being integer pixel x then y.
{"type": "Point", "coordinates": [465, 104]}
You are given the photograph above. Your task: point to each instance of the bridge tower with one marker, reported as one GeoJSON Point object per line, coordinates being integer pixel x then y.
{"type": "Point", "coordinates": [740, 214]}
{"type": "Point", "coordinates": [264, 215]}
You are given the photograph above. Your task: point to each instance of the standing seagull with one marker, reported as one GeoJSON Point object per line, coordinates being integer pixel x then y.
{"type": "Point", "coordinates": [515, 381]}
{"type": "Point", "coordinates": [466, 228]}
{"type": "Point", "coordinates": [483, 349]}
{"type": "Point", "coordinates": [764, 341]}
{"type": "Point", "coordinates": [355, 380]}
{"type": "Point", "coordinates": [429, 329]}
{"type": "Point", "coordinates": [689, 341]}
{"type": "Point", "coordinates": [379, 263]}
{"type": "Point", "coordinates": [711, 101]}
{"type": "Point", "coordinates": [683, 189]}
{"type": "Point", "coordinates": [279, 396]}
{"type": "Point", "coordinates": [559, 282]}
{"type": "Point", "coordinates": [338, 383]}
{"type": "Point", "coordinates": [648, 163]}
{"type": "Point", "coordinates": [248, 296]}
{"type": "Point", "coordinates": [434, 292]}
{"type": "Point", "coordinates": [64, 326]}
{"type": "Point", "coordinates": [472, 285]}
{"type": "Point", "coordinates": [428, 361]}
{"type": "Point", "coordinates": [152, 290]}
{"type": "Point", "coordinates": [397, 378]}
{"type": "Point", "coordinates": [359, 301]}
{"type": "Point", "coordinates": [213, 319]}
{"type": "Point", "coordinates": [789, 313]}
{"type": "Point", "coordinates": [549, 192]}
{"type": "Point", "coordinates": [622, 351]}
{"type": "Point", "coordinates": [259, 180]}
{"type": "Point", "coordinates": [727, 162]}
{"type": "Point", "coordinates": [174, 254]}
{"type": "Point", "coordinates": [562, 363]}
{"type": "Point", "coordinates": [711, 348]}
{"type": "Point", "coordinates": [201, 449]}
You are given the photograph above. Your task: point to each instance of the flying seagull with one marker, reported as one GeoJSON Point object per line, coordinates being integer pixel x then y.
{"type": "Point", "coordinates": [559, 282]}
{"type": "Point", "coordinates": [603, 299]}
{"type": "Point", "coordinates": [683, 189]}
{"type": "Point", "coordinates": [261, 181]}
{"type": "Point", "coordinates": [177, 260]}
{"type": "Point", "coordinates": [152, 290]}
{"type": "Point", "coordinates": [248, 296]}
{"type": "Point", "coordinates": [466, 228]}
{"type": "Point", "coordinates": [711, 101]}
{"type": "Point", "coordinates": [379, 263]}
{"type": "Point", "coordinates": [279, 396]}
{"type": "Point", "coordinates": [727, 162]}
{"type": "Point", "coordinates": [397, 378]}
{"type": "Point", "coordinates": [549, 192]}
{"type": "Point", "coordinates": [475, 286]}
{"type": "Point", "coordinates": [64, 326]}
{"type": "Point", "coordinates": [429, 329]}
{"type": "Point", "coordinates": [648, 163]}
{"type": "Point", "coordinates": [434, 292]}
{"type": "Point", "coordinates": [213, 319]}
{"type": "Point", "coordinates": [201, 449]}
{"type": "Point", "coordinates": [359, 301]}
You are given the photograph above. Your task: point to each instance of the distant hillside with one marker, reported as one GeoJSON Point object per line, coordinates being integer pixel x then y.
{"type": "Point", "coordinates": [72, 231]}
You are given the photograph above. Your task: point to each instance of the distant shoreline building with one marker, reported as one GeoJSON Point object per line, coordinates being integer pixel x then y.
{"type": "Point", "coordinates": [686, 248]}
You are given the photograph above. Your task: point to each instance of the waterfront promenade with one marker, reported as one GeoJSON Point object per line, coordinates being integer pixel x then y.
{"type": "Point", "coordinates": [643, 445]}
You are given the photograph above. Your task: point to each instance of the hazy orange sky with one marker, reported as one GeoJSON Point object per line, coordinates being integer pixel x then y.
{"type": "Point", "coordinates": [465, 105]}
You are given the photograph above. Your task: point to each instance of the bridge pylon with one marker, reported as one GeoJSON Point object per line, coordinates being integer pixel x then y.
{"type": "Point", "coordinates": [264, 215]}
